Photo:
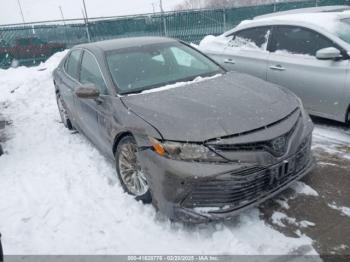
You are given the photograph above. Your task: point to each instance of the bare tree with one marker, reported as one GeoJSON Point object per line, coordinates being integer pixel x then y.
{"type": "Point", "coordinates": [189, 4]}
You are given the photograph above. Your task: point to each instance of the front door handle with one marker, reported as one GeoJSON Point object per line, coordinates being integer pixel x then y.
{"type": "Point", "coordinates": [277, 68]}
{"type": "Point", "coordinates": [98, 100]}
{"type": "Point", "coordinates": [229, 61]}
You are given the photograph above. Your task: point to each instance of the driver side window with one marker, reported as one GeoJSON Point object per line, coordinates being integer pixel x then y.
{"type": "Point", "coordinates": [91, 74]}
{"type": "Point", "coordinates": [298, 40]}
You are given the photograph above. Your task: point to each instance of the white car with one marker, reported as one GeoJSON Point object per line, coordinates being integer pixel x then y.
{"type": "Point", "coordinates": [305, 50]}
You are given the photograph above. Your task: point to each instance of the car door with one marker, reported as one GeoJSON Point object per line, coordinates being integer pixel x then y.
{"type": "Point", "coordinates": [293, 64]}
{"type": "Point", "coordinates": [92, 113]}
{"type": "Point", "coordinates": [68, 81]}
{"type": "Point", "coordinates": [246, 51]}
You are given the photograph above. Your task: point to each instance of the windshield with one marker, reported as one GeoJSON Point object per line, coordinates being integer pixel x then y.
{"type": "Point", "coordinates": [145, 67]}
{"type": "Point", "coordinates": [343, 30]}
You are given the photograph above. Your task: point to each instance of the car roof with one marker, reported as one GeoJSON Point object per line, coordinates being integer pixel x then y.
{"type": "Point", "coordinates": [321, 9]}
{"type": "Point", "coordinates": [120, 43]}
{"type": "Point", "coordinates": [320, 18]}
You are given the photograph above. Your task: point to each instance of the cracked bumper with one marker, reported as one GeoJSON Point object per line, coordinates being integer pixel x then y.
{"type": "Point", "coordinates": [187, 191]}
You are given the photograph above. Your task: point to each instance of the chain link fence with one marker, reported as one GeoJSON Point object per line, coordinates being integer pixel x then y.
{"type": "Point", "coordinates": [32, 43]}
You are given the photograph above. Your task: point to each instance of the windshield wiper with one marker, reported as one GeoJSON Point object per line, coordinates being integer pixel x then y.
{"type": "Point", "coordinates": [132, 92]}
{"type": "Point", "coordinates": [186, 79]}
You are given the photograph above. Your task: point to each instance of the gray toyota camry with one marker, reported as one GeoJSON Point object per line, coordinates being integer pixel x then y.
{"type": "Point", "coordinates": [197, 142]}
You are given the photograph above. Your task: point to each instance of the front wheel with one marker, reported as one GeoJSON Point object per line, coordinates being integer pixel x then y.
{"type": "Point", "coordinates": [130, 172]}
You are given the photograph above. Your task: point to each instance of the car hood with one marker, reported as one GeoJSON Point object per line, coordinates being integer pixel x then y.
{"type": "Point", "coordinates": [226, 105]}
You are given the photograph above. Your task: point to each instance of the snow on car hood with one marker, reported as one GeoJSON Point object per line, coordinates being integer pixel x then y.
{"type": "Point", "coordinates": [226, 105]}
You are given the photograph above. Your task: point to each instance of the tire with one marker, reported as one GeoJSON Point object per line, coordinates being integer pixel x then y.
{"type": "Point", "coordinates": [63, 112]}
{"type": "Point", "coordinates": [130, 172]}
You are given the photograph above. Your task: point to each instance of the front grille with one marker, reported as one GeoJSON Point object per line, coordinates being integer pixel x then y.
{"type": "Point", "coordinates": [269, 146]}
{"type": "Point", "coordinates": [241, 188]}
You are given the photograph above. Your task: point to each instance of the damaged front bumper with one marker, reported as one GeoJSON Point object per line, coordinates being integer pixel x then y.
{"type": "Point", "coordinates": [207, 214]}
{"type": "Point", "coordinates": [203, 192]}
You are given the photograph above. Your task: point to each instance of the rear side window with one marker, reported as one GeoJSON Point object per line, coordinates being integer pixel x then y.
{"type": "Point", "coordinates": [298, 40]}
{"type": "Point", "coordinates": [252, 38]}
{"type": "Point", "coordinates": [72, 63]}
{"type": "Point", "coordinates": [91, 73]}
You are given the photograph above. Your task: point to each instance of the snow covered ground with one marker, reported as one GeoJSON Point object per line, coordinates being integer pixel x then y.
{"type": "Point", "coordinates": [58, 195]}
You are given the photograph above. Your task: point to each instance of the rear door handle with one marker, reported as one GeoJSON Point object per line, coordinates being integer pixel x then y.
{"type": "Point", "coordinates": [229, 61]}
{"type": "Point", "coordinates": [277, 68]}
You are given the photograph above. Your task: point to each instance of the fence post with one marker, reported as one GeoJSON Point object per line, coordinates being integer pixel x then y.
{"type": "Point", "coordinates": [164, 25]}
{"type": "Point", "coordinates": [163, 18]}
{"type": "Point", "coordinates": [86, 22]}
{"type": "Point", "coordinates": [224, 19]}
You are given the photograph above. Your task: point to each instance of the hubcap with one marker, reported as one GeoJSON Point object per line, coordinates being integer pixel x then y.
{"type": "Point", "coordinates": [63, 112]}
{"type": "Point", "coordinates": [131, 171]}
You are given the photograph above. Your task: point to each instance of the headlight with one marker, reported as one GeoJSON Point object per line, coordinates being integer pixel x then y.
{"type": "Point", "coordinates": [306, 142]}
{"type": "Point", "coordinates": [185, 151]}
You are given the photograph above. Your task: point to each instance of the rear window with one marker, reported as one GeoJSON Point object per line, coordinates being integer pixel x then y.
{"type": "Point", "coordinates": [252, 38]}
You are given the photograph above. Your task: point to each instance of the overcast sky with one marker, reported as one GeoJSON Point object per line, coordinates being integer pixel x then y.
{"type": "Point", "coordinates": [39, 10]}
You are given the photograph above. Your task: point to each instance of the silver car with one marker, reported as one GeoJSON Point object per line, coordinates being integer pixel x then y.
{"type": "Point", "coordinates": [305, 50]}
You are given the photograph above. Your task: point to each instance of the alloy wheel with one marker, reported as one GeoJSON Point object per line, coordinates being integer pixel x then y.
{"type": "Point", "coordinates": [130, 170]}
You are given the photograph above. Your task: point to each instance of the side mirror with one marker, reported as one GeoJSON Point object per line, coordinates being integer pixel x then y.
{"type": "Point", "coordinates": [329, 53]}
{"type": "Point", "coordinates": [87, 91]}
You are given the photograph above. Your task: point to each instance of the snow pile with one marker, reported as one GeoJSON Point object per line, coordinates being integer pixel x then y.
{"type": "Point", "coordinates": [332, 140]}
{"type": "Point", "coordinates": [60, 196]}
{"type": "Point", "coordinates": [217, 44]}
{"type": "Point", "coordinates": [302, 188]}
{"type": "Point", "coordinates": [287, 53]}
{"type": "Point", "coordinates": [344, 210]}
{"type": "Point", "coordinates": [277, 218]}
{"type": "Point", "coordinates": [283, 203]}
{"type": "Point", "coordinates": [213, 44]}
